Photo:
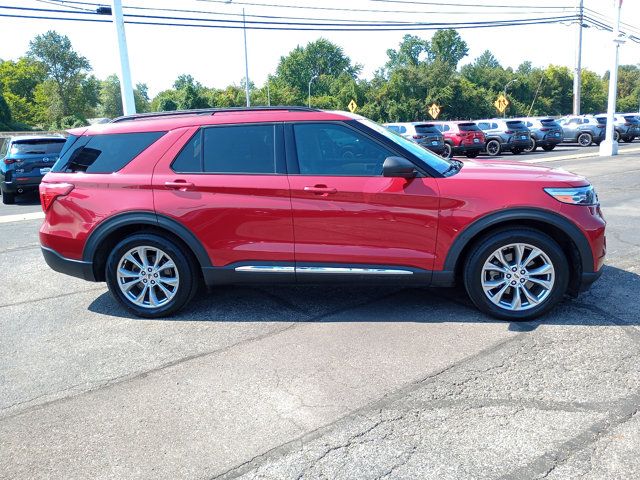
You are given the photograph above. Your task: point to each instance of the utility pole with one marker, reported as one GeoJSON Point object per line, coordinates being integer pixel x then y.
{"type": "Point", "coordinates": [609, 146]}
{"type": "Point", "coordinates": [126, 88]}
{"type": "Point", "coordinates": [311, 80]}
{"type": "Point", "coordinates": [577, 74]}
{"type": "Point", "coordinates": [246, 60]}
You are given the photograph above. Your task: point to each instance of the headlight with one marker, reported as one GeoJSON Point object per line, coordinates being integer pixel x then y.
{"type": "Point", "coordinates": [574, 195]}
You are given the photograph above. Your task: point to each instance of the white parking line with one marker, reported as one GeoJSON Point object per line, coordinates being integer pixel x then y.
{"type": "Point", "coordinates": [21, 217]}
{"type": "Point", "coordinates": [578, 155]}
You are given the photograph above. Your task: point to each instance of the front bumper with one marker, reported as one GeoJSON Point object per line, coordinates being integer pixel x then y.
{"type": "Point", "coordinates": [74, 268]}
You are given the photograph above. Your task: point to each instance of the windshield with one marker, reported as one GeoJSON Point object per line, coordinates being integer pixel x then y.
{"type": "Point", "coordinates": [434, 161]}
{"type": "Point", "coordinates": [39, 147]}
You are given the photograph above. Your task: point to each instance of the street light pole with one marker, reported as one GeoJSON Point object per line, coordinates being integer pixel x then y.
{"type": "Point", "coordinates": [268, 93]}
{"type": "Point", "coordinates": [246, 60]}
{"type": "Point", "coordinates": [126, 87]}
{"type": "Point", "coordinates": [577, 74]}
{"type": "Point", "coordinates": [609, 146]}
{"type": "Point", "coordinates": [311, 80]}
{"type": "Point", "coordinates": [504, 114]}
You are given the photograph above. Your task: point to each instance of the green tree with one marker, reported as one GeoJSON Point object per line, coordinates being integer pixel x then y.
{"type": "Point", "coordinates": [321, 59]}
{"type": "Point", "coordinates": [65, 68]}
{"type": "Point", "coordinates": [408, 53]}
{"type": "Point", "coordinates": [448, 47]}
{"type": "Point", "coordinates": [5, 114]}
{"type": "Point", "coordinates": [111, 97]}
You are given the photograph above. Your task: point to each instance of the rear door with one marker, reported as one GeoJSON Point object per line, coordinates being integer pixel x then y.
{"type": "Point", "coordinates": [347, 217]}
{"type": "Point", "coordinates": [228, 185]}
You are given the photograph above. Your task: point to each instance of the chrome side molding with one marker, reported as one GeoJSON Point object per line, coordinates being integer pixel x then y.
{"type": "Point", "coordinates": [265, 269]}
{"type": "Point", "coordinates": [322, 270]}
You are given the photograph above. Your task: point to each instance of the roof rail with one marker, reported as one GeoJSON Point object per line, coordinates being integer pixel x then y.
{"type": "Point", "coordinates": [209, 111]}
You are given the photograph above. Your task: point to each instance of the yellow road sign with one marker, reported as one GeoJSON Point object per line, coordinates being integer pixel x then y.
{"type": "Point", "coordinates": [501, 103]}
{"type": "Point", "coordinates": [434, 111]}
{"type": "Point", "coordinates": [353, 106]}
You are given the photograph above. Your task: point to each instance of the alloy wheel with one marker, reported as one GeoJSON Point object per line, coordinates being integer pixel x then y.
{"type": "Point", "coordinates": [518, 277]}
{"type": "Point", "coordinates": [148, 277]}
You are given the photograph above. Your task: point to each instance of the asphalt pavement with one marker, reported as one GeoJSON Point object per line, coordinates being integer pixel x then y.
{"type": "Point", "coordinates": [323, 382]}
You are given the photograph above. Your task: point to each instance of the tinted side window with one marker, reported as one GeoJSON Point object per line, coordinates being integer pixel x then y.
{"type": "Point", "coordinates": [4, 146]}
{"type": "Point", "coordinates": [403, 129]}
{"type": "Point", "coordinates": [394, 128]}
{"type": "Point", "coordinates": [189, 160]}
{"type": "Point", "coordinates": [447, 128]}
{"type": "Point", "coordinates": [104, 153]}
{"type": "Point", "coordinates": [331, 149]}
{"type": "Point", "coordinates": [240, 149]}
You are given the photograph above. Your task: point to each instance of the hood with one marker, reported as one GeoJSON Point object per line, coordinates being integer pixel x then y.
{"type": "Point", "coordinates": [518, 172]}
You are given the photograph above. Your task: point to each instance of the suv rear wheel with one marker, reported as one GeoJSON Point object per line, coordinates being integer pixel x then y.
{"type": "Point", "coordinates": [585, 139]}
{"type": "Point", "coordinates": [533, 147]}
{"type": "Point", "coordinates": [8, 198]}
{"type": "Point", "coordinates": [548, 148]}
{"type": "Point", "coordinates": [516, 274]}
{"type": "Point", "coordinates": [493, 147]}
{"type": "Point", "coordinates": [448, 151]}
{"type": "Point", "coordinates": [150, 275]}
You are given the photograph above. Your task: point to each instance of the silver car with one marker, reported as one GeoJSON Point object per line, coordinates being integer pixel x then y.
{"type": "Point", "coordinates": [582, 129]}
{"type": "Point", "coordinates": [627, 127]}
{"type": "Point", "coordinates": [424, 134]}
{"type": "Point", "coordinates": [505, 135]}
{"type": "Point", "coordinates": [545, 133]}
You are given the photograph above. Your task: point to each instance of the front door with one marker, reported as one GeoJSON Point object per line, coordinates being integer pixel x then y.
{"type": "Point", "coordinates": [349, 218]}
{"type": "Point", "coordinates": [228, 186]}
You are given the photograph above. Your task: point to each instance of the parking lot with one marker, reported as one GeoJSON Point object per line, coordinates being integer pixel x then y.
{"type": "Point", "coordinates": [324, 382]}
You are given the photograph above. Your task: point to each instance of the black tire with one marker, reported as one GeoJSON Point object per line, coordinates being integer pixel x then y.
{"type": "Point", "coordinates": [493, 148]}
{"type": "Point", "coordinates": [8, 198]}
{"type": "Point", "coordinates": [585, 139]}
{"type": "Point", "coordinates": [448, 151]}
{"type": "Point", "coordinates": [186, 268]}
{"type": "Point", "coordinates": [616, 135]}
{"type": "Point", "coordinates": [482, 251]}
{"type": "Point", "coordinates": [627, 139]}
{"type": "Point", "coordinates": [533, 147]}
{"type": "Point", "coordinates": [472, 154]}
{"type": "Point", "coordinates": [517, 150]}
{"type": "Point", "coordinates": [548, 148]}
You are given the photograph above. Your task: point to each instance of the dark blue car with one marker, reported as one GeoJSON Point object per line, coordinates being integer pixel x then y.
{"type": "Point", "coordinates": [24, 160]}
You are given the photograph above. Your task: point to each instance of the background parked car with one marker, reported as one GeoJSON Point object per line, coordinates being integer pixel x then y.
{"type": "Point", "coordinates": [424, 134]}
{"type": "Point", "coordinates": [461, 138]}
{"type": "Point", "coordinates": [583, 130]}
{"type": "Point", "coordinates": [545, 133]}
{"type": "Point", "coordinates": [505, 135]}
{"type": "Point", "coordinates": [24, 161]}
{"type": "Point", "coordinates": [627, 127]}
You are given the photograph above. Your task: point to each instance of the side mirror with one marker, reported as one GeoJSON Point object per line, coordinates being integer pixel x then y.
{"type": "Point", "coordinates": [398, 167]}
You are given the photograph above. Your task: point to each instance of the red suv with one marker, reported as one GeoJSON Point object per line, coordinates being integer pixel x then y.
{"type": "Point", "coordinates": [158, 204]}
{"type": "Point", "coordinates": [461, 138]}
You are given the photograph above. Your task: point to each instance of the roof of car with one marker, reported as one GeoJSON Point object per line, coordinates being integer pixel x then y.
{"type": "Point", "coordinates": [165, 121]}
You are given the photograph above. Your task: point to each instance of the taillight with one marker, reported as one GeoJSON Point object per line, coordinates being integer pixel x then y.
{"type": "Point", "coordinates": [49, 192]}
{"type": "Point", "coordinates": [9, 161]}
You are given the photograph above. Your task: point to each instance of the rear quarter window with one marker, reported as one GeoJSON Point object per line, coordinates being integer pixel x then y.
{"type": "Point", "coordinates": [104, 153]}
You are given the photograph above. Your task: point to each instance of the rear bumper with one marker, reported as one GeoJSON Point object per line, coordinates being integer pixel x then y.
{"type": "Point", "coordinates": [74, 268]}
{"type": "Point", "coordinates": [14, 186]}
{"type": "Point", "coordinates": [474, 147]}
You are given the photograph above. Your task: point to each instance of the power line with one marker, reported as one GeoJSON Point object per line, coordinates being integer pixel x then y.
{"type": "Point", "coordinates": [311, 27]}
{"type": "Point", "coordinates": [475, 5]}
{"type": "Point", "coordinates": [536, 10]}
{"type": "Point", "coordinates": [270, 25]}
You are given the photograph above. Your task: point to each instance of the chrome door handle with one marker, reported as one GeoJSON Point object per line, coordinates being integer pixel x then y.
{"type": "Point", "coordinates": [321, 189]}
{"type": "Point", "coordinates": [179, 185]}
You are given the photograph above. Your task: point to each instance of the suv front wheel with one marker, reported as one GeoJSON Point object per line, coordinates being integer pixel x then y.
{"type": "Point", "coordinates": [150, 275]}
{"type": "Point", "coordinates": [516, 274]}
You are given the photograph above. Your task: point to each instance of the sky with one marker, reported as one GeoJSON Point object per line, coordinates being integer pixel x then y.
{"type": "Point", "coordinates": [215, 57]}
